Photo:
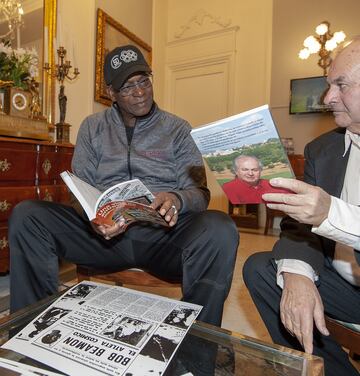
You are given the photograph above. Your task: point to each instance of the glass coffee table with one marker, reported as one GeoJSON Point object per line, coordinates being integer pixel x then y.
{"type": "Point", "coordinates": [206, 350]}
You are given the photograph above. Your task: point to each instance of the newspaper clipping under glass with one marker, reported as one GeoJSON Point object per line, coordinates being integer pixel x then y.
{"type": "Point", "coordinates": [98, 329]}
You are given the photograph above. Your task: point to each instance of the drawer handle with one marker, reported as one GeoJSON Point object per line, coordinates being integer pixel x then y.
{"type": "Point", "coordinates": [46, 166]}
{"type": "Point", "coordinates": [4, 206]}
{"type": "Point", "coordinates": [3, 243]}
{"type": "Point", "coordinates": [4, 165]}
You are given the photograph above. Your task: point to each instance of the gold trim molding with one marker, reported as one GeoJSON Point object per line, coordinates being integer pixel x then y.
{"type": "Point", "coordinates": [50, 7]}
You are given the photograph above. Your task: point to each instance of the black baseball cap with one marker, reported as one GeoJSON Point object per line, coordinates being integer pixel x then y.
{"type": "Point", "coordinates": [121, 63]}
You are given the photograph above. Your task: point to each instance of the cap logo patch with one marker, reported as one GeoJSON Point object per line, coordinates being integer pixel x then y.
{"type": "Point", "coordinates": [115, 62]}
{"type": "Point", "coordinates": [128, 55]}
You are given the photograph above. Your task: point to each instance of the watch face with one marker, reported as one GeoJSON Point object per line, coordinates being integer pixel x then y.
{"type": "Point", "coordinates": [19, 101]}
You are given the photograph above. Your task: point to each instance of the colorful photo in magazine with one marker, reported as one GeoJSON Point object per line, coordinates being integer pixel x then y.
{"type": "Point", "coordinates": [243, 152]}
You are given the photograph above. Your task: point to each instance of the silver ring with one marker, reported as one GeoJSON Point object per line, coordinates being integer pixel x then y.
{"type": "Point", "coordinates": [175, 210]}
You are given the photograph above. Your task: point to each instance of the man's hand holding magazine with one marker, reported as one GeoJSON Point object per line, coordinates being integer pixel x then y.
{"type": "Point", "coordinates": [308, 204]}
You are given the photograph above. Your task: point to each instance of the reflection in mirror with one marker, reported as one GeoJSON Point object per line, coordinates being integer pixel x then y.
{"type": "Point", "coordinates": [37, 30]}
{"type": "Point", "coordinates": [11, 13]}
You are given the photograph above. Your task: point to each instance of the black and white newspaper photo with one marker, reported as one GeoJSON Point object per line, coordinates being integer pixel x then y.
{"type": "Point", "coordinates": [97, 329]}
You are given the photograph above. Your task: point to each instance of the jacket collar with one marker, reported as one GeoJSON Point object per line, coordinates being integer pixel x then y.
{"type": "Point", "coordinates": [117, 118]}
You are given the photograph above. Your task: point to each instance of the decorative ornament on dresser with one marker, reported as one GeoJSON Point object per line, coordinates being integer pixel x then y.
{"type": "Point", "coordinates": [61, 71]}
{"type": "Point", "coordinates": [18, 70]}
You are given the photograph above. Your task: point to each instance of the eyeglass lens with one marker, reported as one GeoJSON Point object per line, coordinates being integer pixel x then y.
{"type": "Point", "coordinates": [130, 89]}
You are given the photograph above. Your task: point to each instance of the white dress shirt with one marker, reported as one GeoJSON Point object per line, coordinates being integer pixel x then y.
{"type": "Point", "coordinates": [341, 225]}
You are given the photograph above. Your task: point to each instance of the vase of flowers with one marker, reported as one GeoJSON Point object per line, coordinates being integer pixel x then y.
{"type": "Point", "coordinates": [19, 65]}
{"type": "Point", "coordinates": [18, 69]}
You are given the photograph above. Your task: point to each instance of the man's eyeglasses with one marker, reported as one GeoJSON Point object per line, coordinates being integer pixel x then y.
{"type": "Point", "coordinates": [127, 90]}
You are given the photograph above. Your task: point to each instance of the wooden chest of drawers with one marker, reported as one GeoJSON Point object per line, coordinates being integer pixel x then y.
{"type": "Point", "coordinates": [29, 170]}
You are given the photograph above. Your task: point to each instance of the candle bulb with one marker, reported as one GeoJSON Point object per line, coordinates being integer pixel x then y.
{"type": "Point", "coordinates": [18, 36]}
{"type": "Point", "coordinates": [46, 45]}
{"type": "Point", "coordinates": [74, 55]}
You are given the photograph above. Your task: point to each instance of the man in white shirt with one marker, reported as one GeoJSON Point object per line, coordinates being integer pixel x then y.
{"type": "Point", "coordinates": [307, 273]}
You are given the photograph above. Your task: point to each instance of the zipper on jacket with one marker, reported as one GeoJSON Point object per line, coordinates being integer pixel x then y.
{"type": "Point", "coordinates": [128, 160]}
{"type": "Point", "coordinates": [129, 137]}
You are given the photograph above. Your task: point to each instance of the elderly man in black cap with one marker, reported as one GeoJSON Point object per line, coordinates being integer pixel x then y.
{"type": "Point", "coordinates": [133, 138]}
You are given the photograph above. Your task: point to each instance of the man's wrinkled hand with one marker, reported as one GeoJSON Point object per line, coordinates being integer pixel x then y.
{"type": "Point", "coordinates": [300, 307]}
{"type": "Point", "coordinates": [168, 205]}
{"type": "Point", "coordinates": [309, 204]}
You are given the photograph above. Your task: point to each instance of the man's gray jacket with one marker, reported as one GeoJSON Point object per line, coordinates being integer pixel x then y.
{"type": "Point", "coordinates": [162, 154]}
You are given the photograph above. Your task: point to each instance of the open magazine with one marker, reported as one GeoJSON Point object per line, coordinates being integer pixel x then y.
{"type": "Point", "coordinates": [96, 329]}
{"type": "Point", "coordinates": [127, 201]}
{"type": "Point", "coordinates": [244, 151]}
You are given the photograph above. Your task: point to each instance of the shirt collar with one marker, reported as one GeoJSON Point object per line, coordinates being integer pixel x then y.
{"type": "Point", "coordinates": [351, 138]}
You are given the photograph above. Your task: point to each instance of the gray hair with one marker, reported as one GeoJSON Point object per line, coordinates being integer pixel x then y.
{"type": "Point", "coordinates": [238, 158]}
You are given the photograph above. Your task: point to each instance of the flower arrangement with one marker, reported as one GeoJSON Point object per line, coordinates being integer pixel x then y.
{"type": "Point", "coordinates": [18, 65]}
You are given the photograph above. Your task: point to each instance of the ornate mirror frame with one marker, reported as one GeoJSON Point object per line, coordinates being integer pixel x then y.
{"type": "Point", "coordinates": [111, 34]}
{"type": "Point", "coordinates": [50, 7]}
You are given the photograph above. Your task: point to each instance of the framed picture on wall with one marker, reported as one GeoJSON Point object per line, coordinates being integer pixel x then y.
{"type": "Point", "coordinates": [111, 34]}
{"type": "Point", "coordinates": [307, 95]}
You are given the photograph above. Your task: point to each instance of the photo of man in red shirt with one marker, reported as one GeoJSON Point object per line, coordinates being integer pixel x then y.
{"type": "Point", "coordinates": [247, 187]}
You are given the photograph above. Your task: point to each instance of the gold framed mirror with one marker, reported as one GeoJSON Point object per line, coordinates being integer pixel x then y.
{"type": "Point", "coordinates": [36, 32]}
{"type": "Point", "coordinates": [111, 34]}
{"type": "Point", "coordinates": [50, 7]}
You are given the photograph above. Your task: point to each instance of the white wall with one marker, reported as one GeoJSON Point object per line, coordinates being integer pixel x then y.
{"type": "Point", "coordinates": [290, 21]}
{"type": "Point", "coordinates": [211, 61]}
{"type": "Point", "coordinates": [293, 21]}
{"type": "Point", "coordinates": [253, 42]}
{"type": "Point", "coordinates": [76, 32]}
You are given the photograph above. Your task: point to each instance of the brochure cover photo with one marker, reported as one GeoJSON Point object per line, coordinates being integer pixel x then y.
{"type": "Point", "coordinates": [244, 151]}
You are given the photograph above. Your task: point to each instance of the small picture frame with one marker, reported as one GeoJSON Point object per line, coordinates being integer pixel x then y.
{"type": "Point", "coordinates": [288, 143]}
{"type": "Point", "coordinates": [307, 95]}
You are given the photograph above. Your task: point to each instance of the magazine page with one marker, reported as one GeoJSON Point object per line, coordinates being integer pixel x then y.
{"type": "Point", "coordinates": [11, 368]}
{"type": "Point", "coordinates": [97, 329]}
{"type": "Point", "coordinates": [129, 212]}
{"type": "Point", "coordinates": [86, 194]}
{"type": "Point", "coordinates": [131, 190]}
{"type": "Point", "coordinates": [244, 151]}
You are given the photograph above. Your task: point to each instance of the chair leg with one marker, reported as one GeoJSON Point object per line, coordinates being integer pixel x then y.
{"type": "Point", "coordinates": [267, 224]}
{"type": "Point", "coordinates": [83, 273]}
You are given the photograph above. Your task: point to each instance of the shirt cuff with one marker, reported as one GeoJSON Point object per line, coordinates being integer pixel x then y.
{"type": "Point", "coordinates": [296, 267]}
{"type": "Point", "coordinates": [342, 224]}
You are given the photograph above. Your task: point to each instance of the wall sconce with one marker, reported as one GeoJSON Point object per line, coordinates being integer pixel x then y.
{"type": "Point", "coordinates": [323, 44]}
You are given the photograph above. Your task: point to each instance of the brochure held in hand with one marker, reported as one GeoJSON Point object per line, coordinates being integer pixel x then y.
{"type": "Point", "coordinates": [126, 201]}
{"type": "Point", "coordinates": [244, 152]}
